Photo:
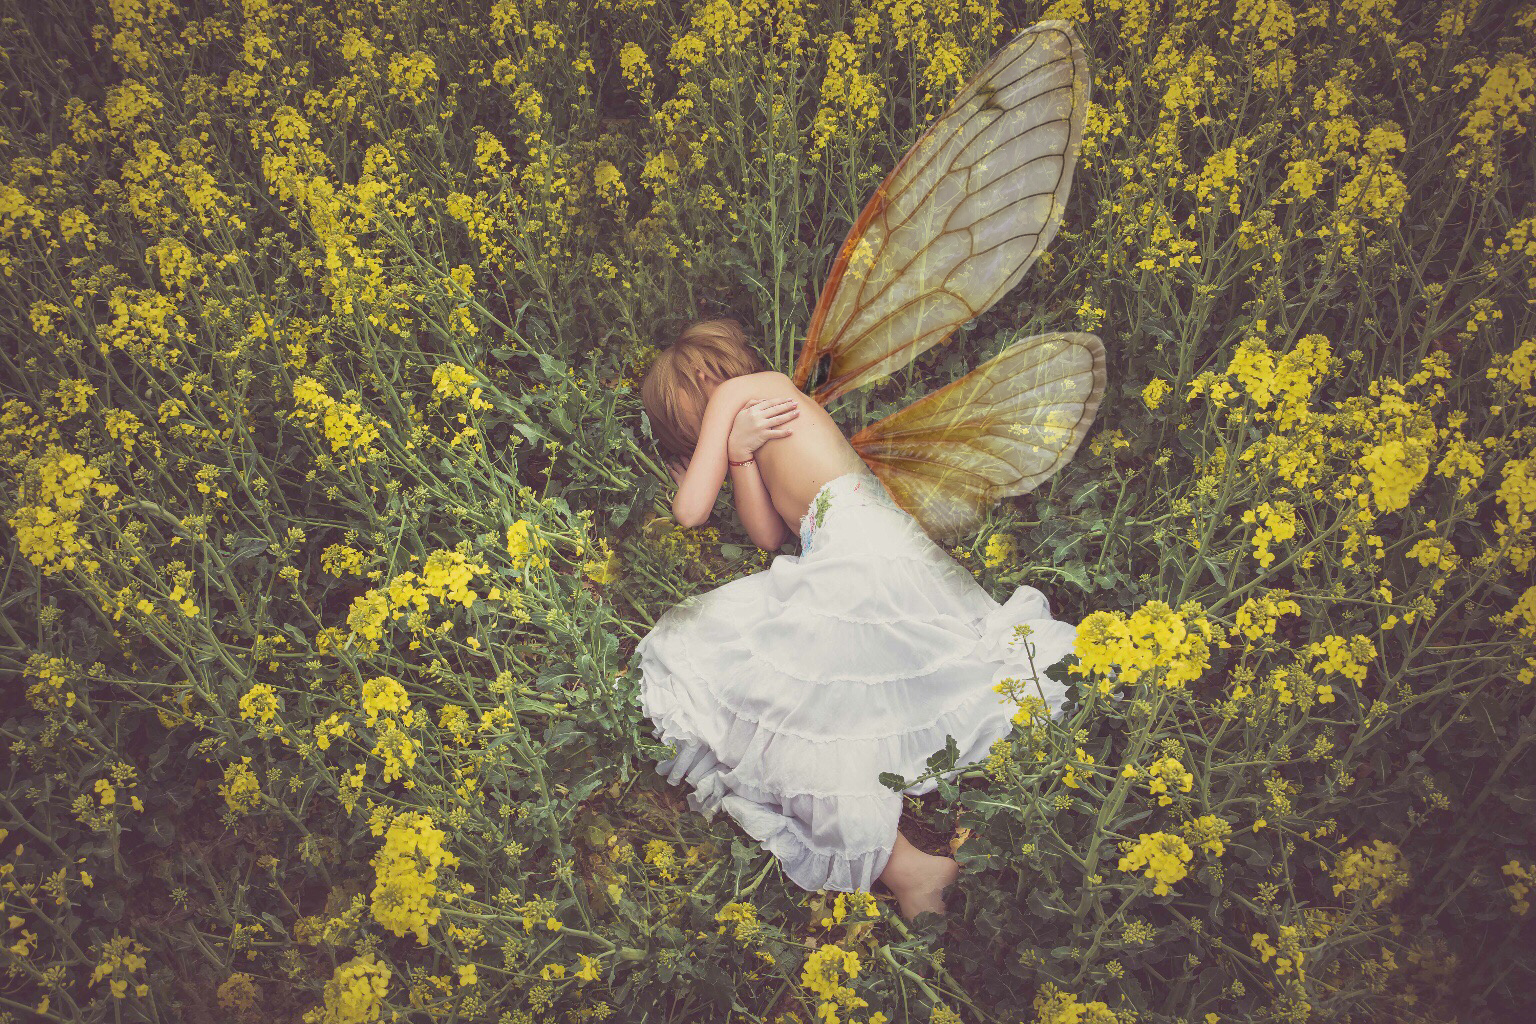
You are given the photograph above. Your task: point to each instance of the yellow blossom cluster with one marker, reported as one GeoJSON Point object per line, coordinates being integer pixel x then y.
{"type": "Point", "coordinates": [741, 918]}
{"type": "Point", "coordinates": [388, 709]}
{"type": "Point", "coordinates": [1374, 451]}
{"type": "Point", "coordinates": [355, 992]}
{"type": "Point", "coordinates": [1154, 638]}
{"type": "Point", "coordinates": [350, 431]}
{"type": "Point", "coordinates": [850, 97]}
{"type": "Point", "coordinates": [406, 870]}
{"type": "Point", "coordinates": [341, 560]}
{"type": "Point", "coordinates": [259, 704]}
{"type": "Point", "coordinates": [1053, 1005]}
{"type": "Point", "coordinates": [1001, 548]}
{"type": "Point", "coordinates": [1160, 773]}
{"type": "Point", "coordinates": [1522, 618]}
{"type": "Point", "coordinates": [446, 576]}
{"type": "Point", "coordinates": [536, 911]}
{"type": "Point", "coordinates": [822, 975]}
{"type": "Point", "coordinates": [1289, 958]}
{"type": "Point", "coordinates": [1350, 657]}
{"type": "Point", "coordinates": [241, 789]}
{"type": "Point", "coordinates": [452, 381]}
{"type": "Point", "coordinates": [660, 855]}
{"type": "Point", "coordinates": [1163, 855]}
{"type": "Point", "coordinates": [1069, 774]}
{"type": "Point", "coordinates": [1506, 90]}
{"type": "Point", "coordinates": [1521, 879]}
{"type": "Point", "coordinates": [1208, 832]}
{"type": "Point", "coordinates": [524, 541]}
{"type": "Point", "coordinates": [1279, 524]}
{"type": "Point", "coordinates": [119, 959]}
{"type": "Point", "coordinates": [863, 904]}
{"type": "Point", "coordinates": [53, 674]}
{"type": "Point", "coordinates": [1375, 870]}
{"type": "Point", "coordinates": [1258, 616]}
{"type": "Point", "coordinates": [606, 569]}
{"type": "Point", "coordinates": [47, 517]}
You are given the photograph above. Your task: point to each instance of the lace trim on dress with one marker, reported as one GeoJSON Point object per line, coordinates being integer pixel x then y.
{"type": "Point", "coordinates": [673, 731]}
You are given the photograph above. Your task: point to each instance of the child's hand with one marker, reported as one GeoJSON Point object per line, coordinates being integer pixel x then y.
{"type": "Point", "coordinates": [758, 423]}
{"type": "Point", "coordinates": [677, 469]}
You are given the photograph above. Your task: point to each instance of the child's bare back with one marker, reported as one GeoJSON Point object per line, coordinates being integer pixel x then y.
{"type": "Point", "coordinates": [793, 468]}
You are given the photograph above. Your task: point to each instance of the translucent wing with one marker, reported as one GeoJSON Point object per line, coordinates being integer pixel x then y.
{"type": "Point", "coordinates": [1001, 430]}
{"type": "Point", "coordinates": [960, 219]}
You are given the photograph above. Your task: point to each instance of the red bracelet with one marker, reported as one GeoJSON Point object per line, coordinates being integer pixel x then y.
{"type": "Point", "coordinates": [742, 463]}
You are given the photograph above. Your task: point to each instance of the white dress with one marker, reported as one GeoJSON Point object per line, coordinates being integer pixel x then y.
{"type": "Point", "coordinates": [787, 692]}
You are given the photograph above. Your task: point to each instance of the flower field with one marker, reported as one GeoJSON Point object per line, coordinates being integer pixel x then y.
{"type": "Point", "coordinates": [331, 519]}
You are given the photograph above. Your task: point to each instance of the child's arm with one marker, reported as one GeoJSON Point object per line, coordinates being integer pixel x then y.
{"type": "Point", "coordinates": [758, 422]}
{"type": "Point", "coordinates": [700, 485]}
{"type": "Point", "coordinates": [756, 510]}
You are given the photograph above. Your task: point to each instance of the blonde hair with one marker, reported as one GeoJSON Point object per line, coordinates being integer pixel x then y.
{"type": "Point", "coordinates": [707, 349]}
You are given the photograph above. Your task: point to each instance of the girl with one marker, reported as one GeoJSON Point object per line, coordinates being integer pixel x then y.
{"type": "Point", "coordinates": [787, 692]}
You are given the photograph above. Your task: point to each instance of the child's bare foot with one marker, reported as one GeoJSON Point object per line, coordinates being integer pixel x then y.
{"type": "Point", "coordinates": [918, 879]}
{"type": "Point", "coordinates": [929, 893]}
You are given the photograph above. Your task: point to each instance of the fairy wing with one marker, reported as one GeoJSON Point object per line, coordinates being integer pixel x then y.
{"type": "Point", "coordinates": [1001, 430]}
{"type": "Point", "coordinates": [960, 218]}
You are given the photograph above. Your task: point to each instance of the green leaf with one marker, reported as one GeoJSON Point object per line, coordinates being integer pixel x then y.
{"type": "Point", "coordinates": [945, 758]}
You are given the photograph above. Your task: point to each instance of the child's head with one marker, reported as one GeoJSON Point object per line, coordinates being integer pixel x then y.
{"type": "Point", "coordinates": [679, 382]}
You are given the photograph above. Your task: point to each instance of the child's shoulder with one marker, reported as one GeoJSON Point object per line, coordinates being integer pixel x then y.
{"type": "Point", "coordinates": [761, 384]}
{"type": "Point", "coordinates": [765, 376]}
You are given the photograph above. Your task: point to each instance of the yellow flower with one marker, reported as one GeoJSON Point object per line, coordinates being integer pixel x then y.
{"type": "Point", "coordinates": [743, 919]}
{"type": "Point", "coordinates": [259, 703]}
{"type": "Point", "coordinates": [1279, 524]}
{"type": "Point", "coordinates": [406, 874]}
{"type": "Point", "coordinates": [1000, 548]}
{"type": "Point", "coordinates": [355, 994]}
{"type": "Point", "coordinates": [1375, 870]}
{"type": "Point", "coordinates": [1163, 771]}
{"type": "Point", "coordinates": [522, 540]}
{"type": "Point", "coordinates": [659, 853]}
{"type": "Point", "coordinates": [1164, 857]}
{"type": "Point", "coordinates": [1155, 636]}
{"type": "Point", "coordinates": [1395, 469]}
{"type": "Point", "coordinates": [241, 790]}
{"type": "Point", "coordinates": [822, 975]}
{"type": "Point", "coordinates": [1055, 1006]}
{"type": "Point", "coordinates": [606, 569]}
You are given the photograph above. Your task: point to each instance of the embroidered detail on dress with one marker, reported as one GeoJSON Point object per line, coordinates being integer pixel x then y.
{"type": "Point", "coordinates": [816, 515]}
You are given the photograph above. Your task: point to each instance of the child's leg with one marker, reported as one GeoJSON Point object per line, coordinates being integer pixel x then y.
{"type": "Point", "coordinates": [917, 878]}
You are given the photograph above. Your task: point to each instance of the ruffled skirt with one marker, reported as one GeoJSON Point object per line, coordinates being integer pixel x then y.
{"type": "Point", "coordinates": [787, 692]}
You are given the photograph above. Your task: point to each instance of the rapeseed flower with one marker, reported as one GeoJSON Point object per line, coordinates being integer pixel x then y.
{"type": "Point", "coordinates": [1163, 855]}
{"type": "Point", "coordinates": [406, 875]}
